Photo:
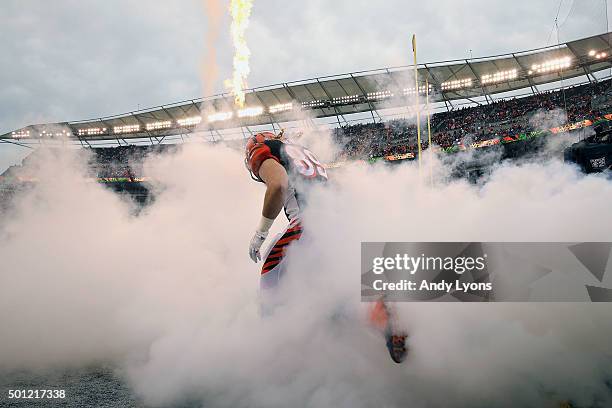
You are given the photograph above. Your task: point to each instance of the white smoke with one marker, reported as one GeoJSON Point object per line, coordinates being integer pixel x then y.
{"type": "Point", "coordinates": [545, 119]}
{"type": "Point", "coordinates": [171, 297]}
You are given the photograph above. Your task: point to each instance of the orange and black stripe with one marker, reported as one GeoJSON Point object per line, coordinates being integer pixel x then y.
{"type": "Point", "coordinates": [276, 255]}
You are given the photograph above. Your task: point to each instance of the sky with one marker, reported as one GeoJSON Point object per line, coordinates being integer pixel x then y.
{"type": "Point", "coordinates": [71, 60]}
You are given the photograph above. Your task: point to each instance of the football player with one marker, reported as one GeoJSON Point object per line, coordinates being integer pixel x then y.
{"type": "Point", "coordinates": [287, 169]}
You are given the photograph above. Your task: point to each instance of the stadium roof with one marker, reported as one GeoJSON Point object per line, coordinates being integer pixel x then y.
{"type": "Point", "coordinates": [346, 94]}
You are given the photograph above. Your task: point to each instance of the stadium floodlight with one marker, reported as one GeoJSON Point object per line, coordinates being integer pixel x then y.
{"type": "Point", "coordinates": [46, 133]}
{"type": "Point", "coordinates": [281, 107]}
{"type": "Point", "coordinates": [313, 104]}
{"type": "Point", "coordinates": [379, 95]}
{"type": "Point", "coordinates": [66, 133]}
{"type": "Point", "coordinates": [422, 90]}
{"type": "Point", "coordinates": [192, 121]}
{"type": "Point", "coordinates": [500, 76]}
{"type": "Point", "coordinates": [20, 134]}
{"type": "Point", "coordinates": [91, 131]}
{"type": "Point", "coordinates": [597, 54]}
{"type": "Point", "coordinates": [346, 99]}
{"type": "Point", "coordinates": [457, 84]}
{"type": "Point", "coordinates": [162, 124]}
{"type": "Point", "coordinates": [126, 129]}
{"type": "Point", "coordinates": [552, 65]}
{"type": "Point", "coordinates": [250, 112]}
{"type": "Point", "coordinates": [215, 117]}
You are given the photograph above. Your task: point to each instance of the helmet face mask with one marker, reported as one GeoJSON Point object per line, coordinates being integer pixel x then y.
{"type": "Point", "coordinates": [246, 164]}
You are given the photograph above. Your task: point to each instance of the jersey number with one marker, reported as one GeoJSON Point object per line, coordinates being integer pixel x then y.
{"type": "Point", "coordinates": [305, 162]}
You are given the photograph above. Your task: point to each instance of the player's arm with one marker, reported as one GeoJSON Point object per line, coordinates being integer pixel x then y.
{"type": "Point", "coordinates": [275, 177]}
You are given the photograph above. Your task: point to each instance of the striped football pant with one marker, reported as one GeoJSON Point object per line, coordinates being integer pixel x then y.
{"type": "Point", "coordinates": [272, 268]}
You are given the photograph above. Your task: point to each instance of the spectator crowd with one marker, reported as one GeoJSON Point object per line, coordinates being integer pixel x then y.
{"type": "Point", "coordinates": [477, 123]}
{"type": "Point", "coordinates": [125, 162]}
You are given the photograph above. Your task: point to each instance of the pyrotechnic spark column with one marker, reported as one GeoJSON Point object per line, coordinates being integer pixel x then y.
{"type": "Point", "coordinates": [240, 11]}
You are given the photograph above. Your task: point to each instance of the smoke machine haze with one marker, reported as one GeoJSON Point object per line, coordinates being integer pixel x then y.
{"type": "Point", "coordinates": [169, 297]}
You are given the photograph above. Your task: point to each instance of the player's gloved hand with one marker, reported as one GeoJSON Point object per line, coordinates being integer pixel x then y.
{"type": "Point", "coordinates": [256, 242]}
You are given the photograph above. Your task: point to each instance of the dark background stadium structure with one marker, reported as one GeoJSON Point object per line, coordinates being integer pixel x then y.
{"type": "Point", "coordinates": [593, 154]}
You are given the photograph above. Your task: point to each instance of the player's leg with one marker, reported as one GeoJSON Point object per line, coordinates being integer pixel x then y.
{"type": "Point", "coordinates": [383, 318]}
{"type": "Point", "coordinates": [270, 271]}
{"type": "Point", "coordinates": [273, 266]}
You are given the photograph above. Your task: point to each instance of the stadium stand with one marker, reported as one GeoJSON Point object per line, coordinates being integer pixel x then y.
{"type": "Point", "coordinates": [476, 123]}
{"type": "Point", "coordinates": [124, 162]}
{"type": "Point", "coordinates": [398, 136]}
